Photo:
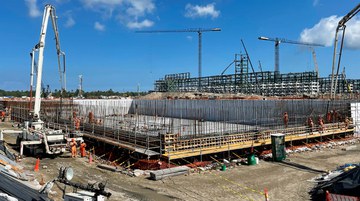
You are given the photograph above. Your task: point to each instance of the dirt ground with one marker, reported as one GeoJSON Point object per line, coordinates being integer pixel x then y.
{"type": "Point", "coordinates": [285, 181]}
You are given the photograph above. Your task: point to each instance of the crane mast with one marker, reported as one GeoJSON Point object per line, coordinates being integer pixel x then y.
{"type": "Point", "coordinates": [197, 30]}
{"type": "Point", "coordinates": [49, 11]}
{"type": "Point", "coordinates": [315, 61]}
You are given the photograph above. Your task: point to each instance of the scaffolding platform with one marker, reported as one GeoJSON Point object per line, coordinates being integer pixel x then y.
{"type": "Point", "coordinates": [175, 148]}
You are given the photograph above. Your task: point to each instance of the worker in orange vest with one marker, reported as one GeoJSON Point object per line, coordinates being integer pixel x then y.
{"type": "Point", "coordinates": [2, 115]}
{"type": "Point", "coordinates": [82, 149]}
{"type": "Point", "coordinates": [73, 148]}
{"type": "Point", "coordinates": [77, 123]}
{"type": "Point", "coordinates": [321, 124]}
{"type": "Point", "coordinates": [91, 117]}
{"type": "Point", "coordinates": [310, 124]}
{"type": "Point", "coordinates": [286, 119]}
{"type": "Point", "coordinates": [328, 117]}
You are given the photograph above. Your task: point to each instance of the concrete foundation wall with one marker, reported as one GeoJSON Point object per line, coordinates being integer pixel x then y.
{"type": "Point", "coordinates": [103, 107]}
{"type": "Point", "coordinates": [238, 111]}
{"type": "Point", "coordinates": [355, 114]}
{"type": "Point", "coordinates": [252, 112]}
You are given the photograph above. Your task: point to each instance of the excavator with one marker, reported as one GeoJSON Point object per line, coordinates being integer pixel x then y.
{"type": "Point", "coordinates": [34, 135]}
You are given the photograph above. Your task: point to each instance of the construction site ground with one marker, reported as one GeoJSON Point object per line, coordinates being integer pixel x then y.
{"type": "Point", "coordinates": [285, 181]}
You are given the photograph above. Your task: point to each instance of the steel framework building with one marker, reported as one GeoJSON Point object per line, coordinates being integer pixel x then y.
{"type": "Point", "coordinates": [267, 83]}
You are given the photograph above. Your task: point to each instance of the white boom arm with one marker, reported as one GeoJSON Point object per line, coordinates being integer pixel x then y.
{"type": "Point", "coordinates": [48, 12]}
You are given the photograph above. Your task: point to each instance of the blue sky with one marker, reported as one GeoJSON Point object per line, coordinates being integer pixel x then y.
{"type": "Point", "coordinates": [99, 39]}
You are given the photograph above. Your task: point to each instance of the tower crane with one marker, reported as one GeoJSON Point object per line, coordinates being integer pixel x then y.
{"type": "Point", "coordinates": [315, 61]}
{"type": "Point", "coordinates": [80, 86]}
{"type": "Point", "coordinates": [337, 56]}
{"type": "Point", "coordinates": [197, 30]}
{"type": "Point", "coordinates": [282, 40]}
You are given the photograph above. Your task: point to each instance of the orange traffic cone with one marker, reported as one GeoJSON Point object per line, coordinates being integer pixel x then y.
{"type": "Point", "coordinates": [90, 158]}
{"type": "Point", "coordinates": [36, 168]}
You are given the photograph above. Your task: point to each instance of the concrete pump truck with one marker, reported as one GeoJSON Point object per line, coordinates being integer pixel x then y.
{"type": "Point", "coordinates": [35, 136]}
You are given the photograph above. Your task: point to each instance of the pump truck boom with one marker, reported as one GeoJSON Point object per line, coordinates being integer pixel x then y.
{"type": "Point", "coordinates": [34, 135]}
{"type": "Point", "coordinates": [338, 53]}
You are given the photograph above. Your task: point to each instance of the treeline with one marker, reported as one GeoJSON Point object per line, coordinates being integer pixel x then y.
{"type": "Point", "coordinates": [13, 93]}
{"type": "Point", "coordinates": [67, 94]}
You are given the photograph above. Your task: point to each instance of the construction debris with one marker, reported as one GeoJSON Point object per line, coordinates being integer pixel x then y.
{"type": "Point", "coordinates": [316, 147]}
{"type": "Point", "coordinates": [160, 174]}
{"type": "Point", "coordinates": [108, 167]}
{"type": "Point", "coordinates": [344, 181]}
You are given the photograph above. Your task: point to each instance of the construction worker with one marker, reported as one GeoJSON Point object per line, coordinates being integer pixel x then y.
{"type": "Point", "coordinates": [77, 123]}
{"type": "Point", "coordinates": [321, 124]}
{"type": "Point", "coordinates": [286, 119]}
{"type": "Point", "coordinates": [2, 115]}
{"type": "Point", "coordinates": [82, 149]}
{"type": "Point", "coordinates": [328, 117]}
{"type": "Point", "coordinates": [334, 116]}
{"type": "Point", "coordinates": [73, 145]}
{"type": "Point", "coordinates": [91, 117]}
{"type": "Point", "coordinates": [310, 124]}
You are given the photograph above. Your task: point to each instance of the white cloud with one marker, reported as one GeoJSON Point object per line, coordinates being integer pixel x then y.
{"type": "Point", "coordinates": [194, 11]}
{"type": "Point", "coordinates": [189, 37]}
{"type": "Point", "coordinates": [33, 9]}
{"type": "Point", "coordinates": [324, 32]}
{"type": "Point", "coordinates": [62, 1]}
{"type": "Point", "coordinates": [315, 2]}
{"type": "Point", "coordinates": [139, 25]}
{"type": "Point", "coordinates": [98, 26]}
{"type": "Point", "coordinates": [105, 7]}
{"type": "Point", "coordinates": [127, 12]}
{"type": "Point", "coordinates": [70, 22]}
{"type": "Point", "coordinates": [140, 7]}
